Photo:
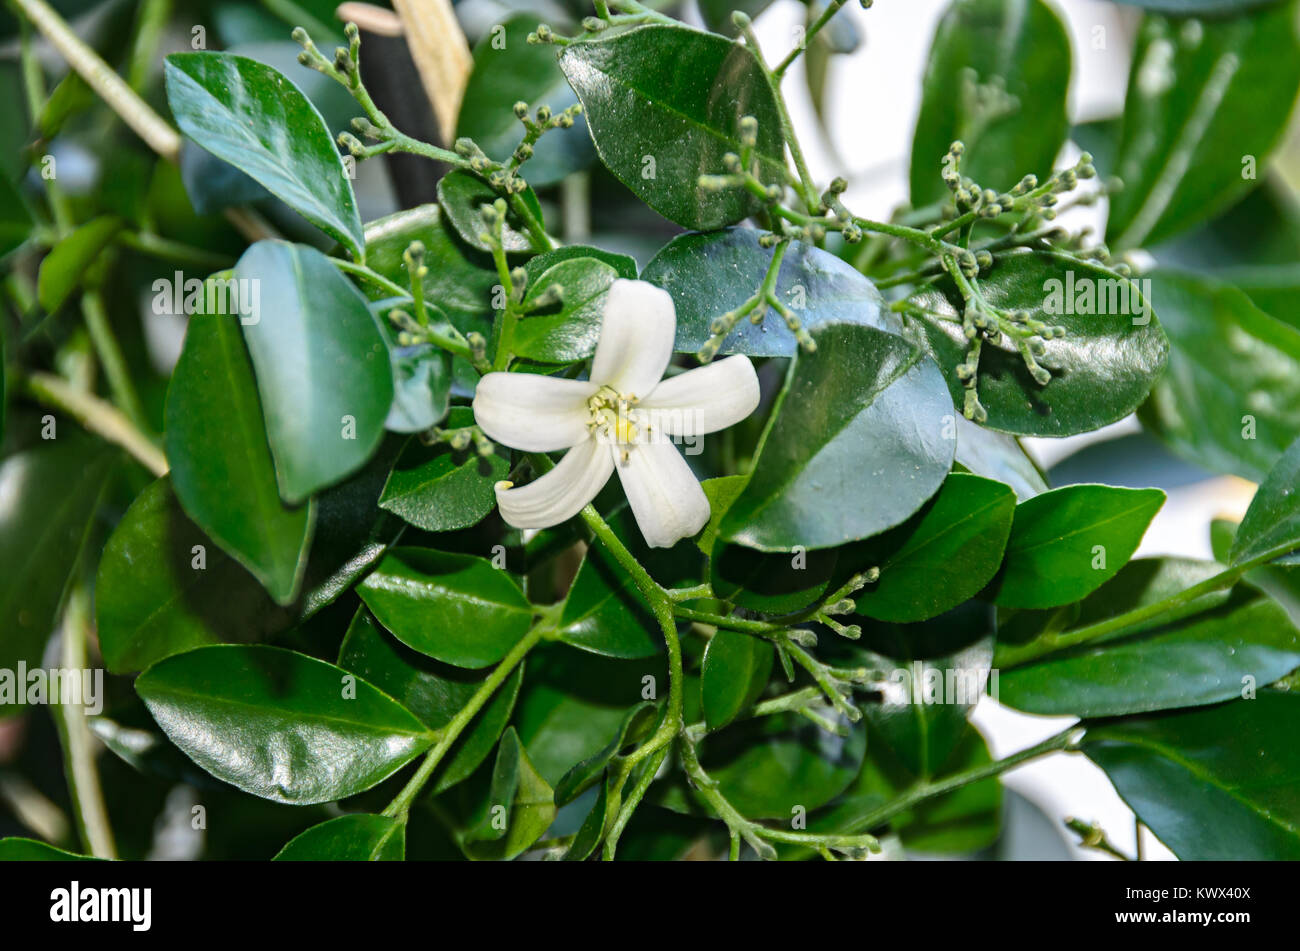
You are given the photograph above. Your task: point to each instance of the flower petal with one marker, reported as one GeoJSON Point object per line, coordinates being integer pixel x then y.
{"type": "Point", "coordinates": [532, 412]}
{"type": "Point", "coordinates": [665, 496]}
{"type": "Point", "coordinates": [705, 399]}
{"type": "Point", "coordinates": [561, 493]}
{"type": "Point", "coordinates": [636, 338]}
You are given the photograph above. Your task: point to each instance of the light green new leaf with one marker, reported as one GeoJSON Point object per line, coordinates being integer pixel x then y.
{"type": "Point", "coordinates": [63, 268]}
{"type": "Point", "coordinates": [1272, 523]}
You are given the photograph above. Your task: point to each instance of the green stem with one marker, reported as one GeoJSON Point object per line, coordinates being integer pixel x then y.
{"type": "Point", "coordinates": [168, 250]}
{"type": "Point", "coordinates": [832, 8]}
{"type": "Point", "coordinates": [97, 416]}
{"type": "Point", "coordinates": [150, 23]}
{"type": "Point", "coordinates": [1066, 740]}
{"type": "Point", "coordinates": [111, 357]}
{"type": "Point", "coordinates": [447, 736]}
{"type": "Point", "coordinates": [78, 744]}
{"type": "Point", "coordinates": [371, 277]}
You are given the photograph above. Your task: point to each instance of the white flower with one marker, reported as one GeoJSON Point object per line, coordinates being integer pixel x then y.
{"type": "Point", "coordinates": [623, 418]}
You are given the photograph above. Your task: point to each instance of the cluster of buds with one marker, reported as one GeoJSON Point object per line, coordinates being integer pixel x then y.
{"type": "Point", "coordinates": [459, 439]}
{"type": "Point", "coordinates": [832, 204]}
{"type": "Point", "coordinates": [1027, 195]}
{"type": "Point", "coordinates": [982, 321]}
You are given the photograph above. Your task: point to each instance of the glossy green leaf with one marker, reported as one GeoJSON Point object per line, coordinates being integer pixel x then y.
{"type": "Point", "coordinates": [434, 692]}
{"type": "Point", "coordinates": [352, 838]}
{"type": "Point", "coordinates": [996, 80]}
{"type": "Point", "coordinates": [1102, 369]}
{"type": "Point", "coordinates": [1272, 523]}
{"type": "Point", "coordinates": [1193, 87]}
{"type": "Point", "coordinates": [1231, 399]}
{"type": "Point", "coordinates": [48, 498]}
{"type": "Point", "coordinates": [17, 849]}
{"type": "Point", "coordinates": [462, 197]}
{"type": "Point", "coordinates": [1218, 783]}
{"type": "Point", "coordinates": [568, 331]}
{"type": "Point", "coordinates": [248, 114]}
{"type": "Point", "coordinates": [221, 466]}
{"type": "Point", "coordinates": [322, 366]}
{"type": "Point", "coordinates": [943, 555]}
{"type": "Point", "coordinates": [1066, 543]}
{"type": "Point", "coordinates": [664, 105]}
{"type": "Point", "coordinates": [736, 669]}
{"type": "Point", "coordinates": [441, 489]}
{"type": "Point", "coordinates": [520, 806]}
{"type": "Point", "coordinates": [636, 726]}
{"type": "Point", "coordinates": [711, 274]}
{"type": "Point", "coordinates": [1201, 659]}
{"type": "Point", "coordinates": [508, 69]}
{"type": "Point", "coordinates": [63, 268]}
{"type": "Point", "coordinates": [539, 264]}
{"type": "Point", "coordinates": [458, 609]}
{"type": "Point", "coordinates": [834, 431]}
{"type": "Point", "coordinates": [421, 388]}
{"type": "Point", "coordinates": [280, 725]}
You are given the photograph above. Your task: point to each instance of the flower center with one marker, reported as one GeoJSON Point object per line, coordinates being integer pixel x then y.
{"type": "Point", "coordinates": [614, 416]}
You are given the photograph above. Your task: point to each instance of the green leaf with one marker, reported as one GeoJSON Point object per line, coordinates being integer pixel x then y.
{"type": "Point", "coordinates": [322, 366]}
{"type": "Point", "coordinates": [711, 274]}
{"type": "Point", "coordinates": [565, 332]}
{"type": "Point", "coordinates": [458, 609]}
{"type": "Point", "coordinates": [603, 612]}
{"type": "Point", "coordinates": [538, 264]}
{"type": "Point", "coordinates": [943, 555]}
{"type": "Point", "coordinates": [721, 492]}
{"type": "Point", "coordinates": [1193, 87]}
{"type": "Point", "coordinates": [999, 457]}
{"type": "Point", "coordinates": [773, 583]}
{"type": "Point", "coordinates": [520, 806]}
{"type": "Point", "coordinates": [1274, 289]}
{"type": "Point", "coordinates": [1231, 399]}
{"type": "Point", "coordinates": [459, 279]}
{"type": "Point", "coordinates": [1201, 659]}
{"type": "Point", "coordinates": [636, 726]}
{"type": "Point", "coordinates": [1066, 543]}
{"type": "Point", "coordinates": [664, 105]}
{"type": "Point", "coordinates": [280, 725]}
{"type": "Point", "coordinates": [1103, 368]}
{"type": "Point", "coordinates": [832, 429]}
{"type": "Point", "coordinates": [736, 668]}
{"type": "Point", "coordinates": [248, 114]}
{"type": "Point", "coordinates": [16, 849]}
{"type": "Point", "coordinates": [769, 766]}
{"type": "Point", "coordinates": [421, 388]}
{"type": "Point", "coordinates": [1219, 783]}
{"type": "Point", "coordinates": [63, 268]}
{"type": "Point", "coordinates": [462, 197]}
{"type": "Point", "coordinates": [508, 69]}
{"type": "Point", "coordinates": [434, 692]}
{"type": "Point", "coordinates": [1207, 7]}
{"type": "Point", "coordinates": [1273, 520]}
{"type": "Point", "coordinates": [51, 493]}
{"type": "Point", "coordinates": [15, 217]}
{"type": "Point", "coordinates": [1015, 53]}
{"type": "Point", "coordinates": [351, 838]}
{"type": "Point", "coordinates": [441, 489]}
{"type": "Point", "coordinates": [222, 470]}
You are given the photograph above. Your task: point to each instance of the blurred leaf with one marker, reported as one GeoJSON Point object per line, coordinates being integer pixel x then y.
{"type": "Point", "coordinates": [996, 80]}
{"type": "Point", "coordinates": [1193, 87]}
{"type": "Point", "coordinates": [1273, 519]}
{"type": "Point", "coordinates": [64, 267]}
{"type": "Point", "coordinates": [15, 849]}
